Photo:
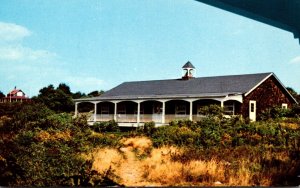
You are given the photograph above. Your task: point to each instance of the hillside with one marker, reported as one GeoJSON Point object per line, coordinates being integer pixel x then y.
{"type": "Point", "coordinates": [42, 148]}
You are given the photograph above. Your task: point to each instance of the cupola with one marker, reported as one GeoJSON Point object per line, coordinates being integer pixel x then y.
{"type": "Point", "coordinates": [188, 71]}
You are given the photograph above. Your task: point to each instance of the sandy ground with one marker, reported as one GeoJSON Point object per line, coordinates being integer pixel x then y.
{"type": "Point", "coordinates": [124, 162]}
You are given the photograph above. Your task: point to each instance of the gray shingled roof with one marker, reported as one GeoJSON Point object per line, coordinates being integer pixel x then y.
{"type": "Point", "coordinates": [203, 86]}
{"type": "Point", "coordinates": [188, 65]}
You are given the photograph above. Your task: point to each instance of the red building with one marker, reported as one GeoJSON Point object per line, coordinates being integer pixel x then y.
{"type": "Point", "coordinates": [16, 95]}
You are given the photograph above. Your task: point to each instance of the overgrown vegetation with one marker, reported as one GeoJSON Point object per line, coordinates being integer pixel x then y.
{"type": "Point", "coordinates": [258, 151]}
{"type": "Point", "coordinates": [43, 148]}
{"type": "Point", "coordinates": [43, 145]}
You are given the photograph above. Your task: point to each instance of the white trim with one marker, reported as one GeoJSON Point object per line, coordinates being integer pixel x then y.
{"type": "Point", "coordinates": [191, 111]}
{"type": "Point", "coordinates": [238, 98]}
{"type": "Point", "coordinates": [259, 84]}
{"type": "Point", "coordinates": [138, 112]}
{"type": "Point", "coordinates": [115, 110]}
{"type": "Point", "coordinates": [285, 89]}
{"type": "Point", "coordinates": [76, 108]}
{"type": "Point", "coordinates": [252, 115]}
{"type": "Point", "coordinates": [278, 82]}
{"type": "Point", "coordinates": [95, 111]}
{"type": "Point", "coordinates": [163, 112]}
{"type": "Point", "coordinates": [284, 105]}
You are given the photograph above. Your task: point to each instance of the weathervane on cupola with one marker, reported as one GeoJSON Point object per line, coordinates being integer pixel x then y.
{"type": "Point", "coordinates": [189, 70]}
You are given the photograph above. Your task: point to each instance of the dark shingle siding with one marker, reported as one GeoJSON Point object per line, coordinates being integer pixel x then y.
{"type": "Point", "coordinates": [218, 84]}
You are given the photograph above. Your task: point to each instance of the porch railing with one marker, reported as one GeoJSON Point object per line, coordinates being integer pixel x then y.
{"type": "Point", "coordinates": [103, 117]}
{"type": "Point", "coordinates": [171, 117]}
{"type": "Point", "coordinates": [132, 118]}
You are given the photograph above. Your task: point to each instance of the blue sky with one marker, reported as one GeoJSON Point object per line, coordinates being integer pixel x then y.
{"type": "Point", "coordinates": [98, 44]}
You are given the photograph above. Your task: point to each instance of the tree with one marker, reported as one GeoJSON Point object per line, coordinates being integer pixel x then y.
{"type": "Point", "coordinates": [65, 88]}
{"type": "Point", "coordinates": [59, 99]}
{"type": "Point", "coordinates": [1, 95]}
{"type": "Point", "coordinates": [47, 90]}
{"type": "Point", "coordinates": [95, 93]}
{"type": "Point", "coordinates": [78, 95]}
{"type": "Point", "coordinates": [293, 93]}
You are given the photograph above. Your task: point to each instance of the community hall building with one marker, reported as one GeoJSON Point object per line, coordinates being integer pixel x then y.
{"type": "Point", "coordinates": [161, 101]}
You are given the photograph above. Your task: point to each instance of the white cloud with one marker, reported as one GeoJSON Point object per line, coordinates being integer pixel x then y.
{"type": "Point", "coordinates": [19, 52]}
{"type": "Point", "coordinates": [11, 32]}
{"type": "Point", "coordinates": [295, 60]}
{"type": "Point", "coordinates": [11, 47]}
{"type": "Point", "coordinates": [8, 53]}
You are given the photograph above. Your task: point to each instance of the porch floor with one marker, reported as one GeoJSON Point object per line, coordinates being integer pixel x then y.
{"type": "Point", "coordinates": [132, 124]}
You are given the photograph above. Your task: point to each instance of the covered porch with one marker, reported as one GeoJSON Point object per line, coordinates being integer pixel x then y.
{"type": "Point", "coordinates": [132, 112]}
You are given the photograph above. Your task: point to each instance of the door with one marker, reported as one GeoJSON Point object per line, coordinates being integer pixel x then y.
{"type": "Point", "coordinates": [252, 110]}
{"type": "Point", "coordinates": [156, 115]}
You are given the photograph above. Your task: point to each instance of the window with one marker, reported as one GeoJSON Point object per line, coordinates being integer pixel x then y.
{"type": "Point", "coordinates": [121, 109]}
{"type": "Point", "coordinates": [104, 109]}
{"type": "Point", "coordinates": [180, 109]}
{"type": "Point", "coordinates": [157, 109]}
{"type": "Point", "coordinates": [284, 106]}
{"type": "Point", "coordinates": [252, 107]}
{"type": "Point", "coordinates": [229, 108]}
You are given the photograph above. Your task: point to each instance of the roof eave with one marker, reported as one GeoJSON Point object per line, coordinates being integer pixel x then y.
{"type": "Point", "coordinates": [286, 89]}
{"type": "Point", "coordinates": [157, 97]}
{"type": "Point", "coordinates": [263, 80]}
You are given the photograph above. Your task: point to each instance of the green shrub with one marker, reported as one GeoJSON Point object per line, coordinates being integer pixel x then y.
{"type": "Point", "coordinates": [32, 112]}
{"type": "Point", "coordinates": [212, 110]}
{"type": "Point", "coordinates": [109, 126]}
{"type": "Point", "coordinates": [295, 111]}
{"type": "Point", "coordinates": [25, 117]}
{"type": "Point", "coordinates": [164, 135]}
{"type": "Point", "coordinates": [105, 140]}
{"type": "Point", "coordinates": [80, 121]}
{"type": "Point", "coordinates": [149, 128]}
{"type": "Point", "coordinates": [56, 121]}
{"type": "Point", "coordinates": [277, 112]}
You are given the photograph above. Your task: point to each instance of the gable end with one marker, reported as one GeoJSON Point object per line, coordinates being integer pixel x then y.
{"type": "Point", "coordinates": [280, 85]}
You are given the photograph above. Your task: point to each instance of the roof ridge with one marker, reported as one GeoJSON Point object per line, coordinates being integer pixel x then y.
{"type": "Point", "coordinates": [199, 77]}
{"type": "Point", "coordinates": [237, 75]}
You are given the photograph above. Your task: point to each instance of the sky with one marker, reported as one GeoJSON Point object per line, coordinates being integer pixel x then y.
{"type": "Point", "coordinates": [99, 44]}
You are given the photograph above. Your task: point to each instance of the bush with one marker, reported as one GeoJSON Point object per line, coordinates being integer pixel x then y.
{"type": "Point", "coordinates": [212, 110]}
{"type": "Point", "coordinates": [295, 111]}
{"type": "Point", "coordinates": [109, 126]}
{"type": "Point", "coordinates": [25, 117]}
{"type": "Point", "coordinates": [277, 112]}
{"type": "Point", "coordinates": [149, 128]}
{"type": "Point", "coordinates": [211, 131]}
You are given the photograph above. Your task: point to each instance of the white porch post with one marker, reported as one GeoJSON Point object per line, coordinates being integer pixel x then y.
{"type": "Point", "coordinates": [76, 109]}
{"type": "Point", "coordinates": [191, 110]}
{"type": "Point", "coordinates": [222, 104]}
{"type": "Point", "coordinates": [95, 112]}
{"type": "Point", "coordinates": [115, 111]}
{"type": "Point", "coordinates": [163, 113]}
{"type": "Point", "coordinates": [138, 112]}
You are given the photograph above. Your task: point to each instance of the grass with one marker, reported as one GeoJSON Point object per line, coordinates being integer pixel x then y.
{"type": "Point", "coordinates": [211, 152]}
{"type": "Point", "coordinates": [163, 166]}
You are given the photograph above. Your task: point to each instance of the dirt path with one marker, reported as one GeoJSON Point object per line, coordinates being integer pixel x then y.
{"type": "Point", "coordinates": [131, 170]}
{"type": "Point", "coordinates": [124, 161]}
